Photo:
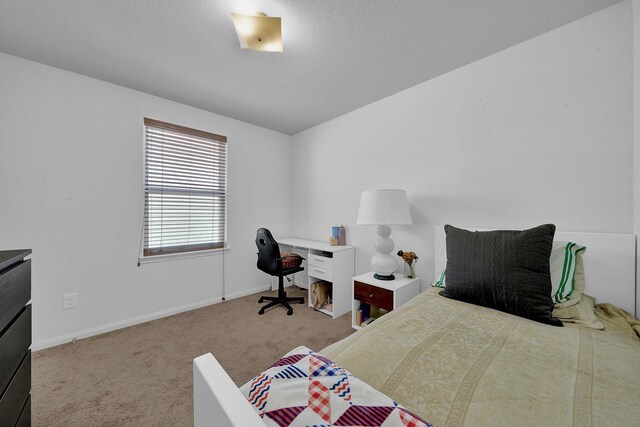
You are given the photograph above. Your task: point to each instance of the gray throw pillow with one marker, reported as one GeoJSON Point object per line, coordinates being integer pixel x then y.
{"type": "Point", "coordinates": [506, 270]}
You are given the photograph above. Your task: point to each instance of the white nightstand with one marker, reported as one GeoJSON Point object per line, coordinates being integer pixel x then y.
{"type": "Point", "coordinates": [384, 294]}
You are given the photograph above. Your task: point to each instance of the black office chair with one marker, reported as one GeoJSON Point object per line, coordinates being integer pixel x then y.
{"type": "Point", "coordinates": [270, 261]}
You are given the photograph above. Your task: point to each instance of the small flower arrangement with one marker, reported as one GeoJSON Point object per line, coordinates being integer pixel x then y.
{"type": "Point", "coordinates": [409, 258]}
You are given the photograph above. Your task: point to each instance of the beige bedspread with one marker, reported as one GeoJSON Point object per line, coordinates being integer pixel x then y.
{"type": "Point", "coordinates": [458, 364]}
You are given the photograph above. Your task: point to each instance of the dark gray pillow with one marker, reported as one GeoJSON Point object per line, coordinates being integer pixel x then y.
{"type": "Point", "coordinates": [504, 269]}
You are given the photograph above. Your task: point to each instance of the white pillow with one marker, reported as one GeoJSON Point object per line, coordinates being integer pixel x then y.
{"type": "Point", "coordinates": [440, 281]}
{"type": "Point", "coordinates": [562, 266]}
{"type": "Point", "coordinates": [578, 281]}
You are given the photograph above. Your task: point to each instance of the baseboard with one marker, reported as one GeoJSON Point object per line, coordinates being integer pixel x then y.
{"type": "Point", "coordinates": [86, 333]}
{"type": "Point", "coordinates": [247, 292]}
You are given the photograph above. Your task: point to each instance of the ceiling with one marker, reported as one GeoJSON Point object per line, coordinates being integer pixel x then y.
{"type": "Point", "coordinates": [338, 55]}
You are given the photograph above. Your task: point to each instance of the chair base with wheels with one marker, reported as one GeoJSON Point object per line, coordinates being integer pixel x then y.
{"type": "Point", "coordinates": [272, 262]}
{"type": "Point", "coordinates": [281, 299]}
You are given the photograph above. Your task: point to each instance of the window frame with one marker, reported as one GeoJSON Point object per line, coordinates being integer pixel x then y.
{"type": "Point", "coordinates": [159, 253]}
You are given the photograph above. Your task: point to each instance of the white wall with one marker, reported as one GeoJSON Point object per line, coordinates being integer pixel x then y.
{"type": "Point", "coordinates": [636, 138]}
{"type": "Point", "coordinates": [71, 169]}
{"type": "Point", "coordinates": [540, 132]}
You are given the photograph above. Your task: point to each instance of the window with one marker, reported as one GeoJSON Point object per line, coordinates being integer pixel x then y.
{"type": "Point", "coordinates": [185, 189]}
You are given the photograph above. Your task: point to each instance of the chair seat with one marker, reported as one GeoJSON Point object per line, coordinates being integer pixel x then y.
{"type": "Point", "coordinates": [291, 271]}
{"type": "Point", "coordinates": [290, 260]}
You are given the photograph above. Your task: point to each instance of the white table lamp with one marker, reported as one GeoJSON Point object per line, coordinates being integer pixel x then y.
{"type": "Point", "coordinates": [384, 208]}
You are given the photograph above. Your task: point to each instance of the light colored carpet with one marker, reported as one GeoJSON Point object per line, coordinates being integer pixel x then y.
{"type": "Point", "coordinates": [142, 375]}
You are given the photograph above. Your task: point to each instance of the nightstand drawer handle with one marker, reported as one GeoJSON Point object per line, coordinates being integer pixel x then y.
{"type": "Point", "coordinates": [371, 296]}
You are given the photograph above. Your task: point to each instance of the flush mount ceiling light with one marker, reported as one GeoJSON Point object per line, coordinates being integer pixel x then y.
{"type": "Point", "coordinates": [258, 32]}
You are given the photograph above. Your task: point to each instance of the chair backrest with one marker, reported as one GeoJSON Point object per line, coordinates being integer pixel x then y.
{"type": "Point", "coordinates": [268, 251]}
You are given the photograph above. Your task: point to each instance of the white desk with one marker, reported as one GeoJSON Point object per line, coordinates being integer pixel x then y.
{"type": "Point", "coordinates": [335, 264]}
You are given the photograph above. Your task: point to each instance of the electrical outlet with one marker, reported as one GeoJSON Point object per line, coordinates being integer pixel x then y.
{"type": "Point", "coordinates": [70, 301]}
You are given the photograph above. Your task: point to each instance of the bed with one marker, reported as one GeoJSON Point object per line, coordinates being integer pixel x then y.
{"type": "Point", "coordinates": [459, 364]}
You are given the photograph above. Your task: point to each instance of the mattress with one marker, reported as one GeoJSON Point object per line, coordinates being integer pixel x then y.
{"type": "Point", "coordinates": [458, 364]}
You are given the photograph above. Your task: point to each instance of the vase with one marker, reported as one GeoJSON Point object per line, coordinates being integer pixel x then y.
{"type": "Point", "coordinates": [409, 271]}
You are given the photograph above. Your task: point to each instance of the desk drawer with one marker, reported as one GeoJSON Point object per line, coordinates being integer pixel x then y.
{"type": "Point", "coordinates": [14, 344]}
{"type": "Point", "coordinates": [17, 393]}
{"type": "Point", "coordinates": [320, 261]}
{"type": "Point", "coordinates": [320, 273]}
{"type": "Point", "coordinates": [15, 291]}
{"type": "Point", "coordinates": [368, 294]}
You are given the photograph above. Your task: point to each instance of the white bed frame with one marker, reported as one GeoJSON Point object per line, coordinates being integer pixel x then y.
{"type": "Point", "coordinates": [610, 264]}
{"type": "Point", "coordinates": [217, 402]}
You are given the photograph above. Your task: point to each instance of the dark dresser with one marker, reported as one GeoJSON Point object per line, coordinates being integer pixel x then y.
{"type": "Point", "coordinates": [15, 338]}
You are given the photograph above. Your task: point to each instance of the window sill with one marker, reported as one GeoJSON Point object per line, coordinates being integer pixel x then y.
{"type": "Point", "coordinates": [183, 255]}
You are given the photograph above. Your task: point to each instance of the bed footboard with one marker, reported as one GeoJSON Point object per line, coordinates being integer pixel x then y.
{"type": "Point", "coordinates": [216, 399]}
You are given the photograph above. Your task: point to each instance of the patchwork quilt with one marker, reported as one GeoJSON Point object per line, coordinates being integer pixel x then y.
{"type": "Point", "coordinates": [306, 389]}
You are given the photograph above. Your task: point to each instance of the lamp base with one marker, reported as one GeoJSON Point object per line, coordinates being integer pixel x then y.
{"type": "Point", "coordinates": [383, 264]}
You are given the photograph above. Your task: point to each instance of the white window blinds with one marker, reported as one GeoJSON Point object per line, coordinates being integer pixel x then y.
{"type": "Point", "coordinates": [185, 189]}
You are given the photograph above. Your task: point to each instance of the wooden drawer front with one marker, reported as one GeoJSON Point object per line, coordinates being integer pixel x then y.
{"type": "Point", "coordinates": [15, 291]}
{"type": "Point", "coordinates": [25, 417]}
{"type": "Point", "coordinates": [14, 344]}
{"type": "Point", "coordinates": [368, 294]}
{"type": "Point", "coordinates": [320, 261]}
{"type": "Point", "coordinates": [17, 393]}
{"type": "Point", "coordinates": [320, 273]}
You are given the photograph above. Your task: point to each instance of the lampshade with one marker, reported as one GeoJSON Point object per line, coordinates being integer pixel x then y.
{"type": "Point", "coordinates": [384, 208]}
{"type": "Point", "coordinates": [258, 32]}
{"type": "Point", "coordinates": [389, 207]}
